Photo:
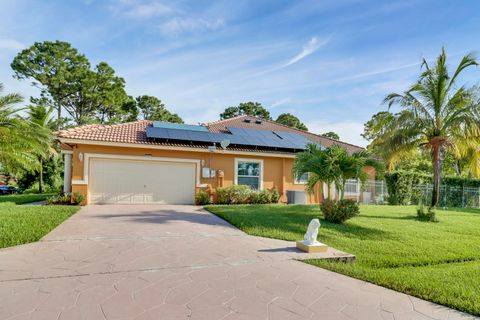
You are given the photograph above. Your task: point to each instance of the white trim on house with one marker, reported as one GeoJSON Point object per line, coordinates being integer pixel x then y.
{"type": "Point", "coordinates": [66, 151]}
{"type": "Point", "coordinates": [87, 156]}
{"type": "Point", "coordinates": [260, 161]}
{"type": "Point", "coordinates": [296, 181]}
{"type": "Point", "coordinates": [158, 147]}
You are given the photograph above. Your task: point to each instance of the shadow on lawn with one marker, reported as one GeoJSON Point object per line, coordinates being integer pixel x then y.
{"type": "Point", "coordinates": [389, 217]}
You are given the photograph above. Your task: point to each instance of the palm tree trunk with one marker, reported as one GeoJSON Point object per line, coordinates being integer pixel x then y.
{"type": "Point", "coordinates": [437, 174]}
{"type": "Point", "coordinates": [40, 180]}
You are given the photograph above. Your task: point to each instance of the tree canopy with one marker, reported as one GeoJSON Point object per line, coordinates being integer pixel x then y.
{"type": "Point", "coordinates": [152, 108]}
{"type": "Point", "coordinates": [331, 135]}
{"type": "Point", "coordinates": [89, 95]}
{"type": "Point", "coordinates": [436, 115]}
{"type": "Point", "coordinates": [290, 120]}
{"type": "Point", "coordinates": [332, 165]}
{"type": "Point", "coordinates": [246, 108]}
{"type": "Point", "coordinates": [21, 141]}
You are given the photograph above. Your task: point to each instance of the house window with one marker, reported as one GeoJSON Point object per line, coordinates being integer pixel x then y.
{"type": "Point", "coordinates": [303, 179]}
{"type": "Point", "coordinates": [249, 172]}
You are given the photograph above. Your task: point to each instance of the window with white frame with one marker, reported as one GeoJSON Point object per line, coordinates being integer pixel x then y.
{"type": "Point", "coordinates": [303, 179]}
{"type": "Point", "coordinates": [249, 172]}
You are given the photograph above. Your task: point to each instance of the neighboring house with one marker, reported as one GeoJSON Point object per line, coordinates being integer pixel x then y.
{"type": "Point", "coordinates": [147, 162]}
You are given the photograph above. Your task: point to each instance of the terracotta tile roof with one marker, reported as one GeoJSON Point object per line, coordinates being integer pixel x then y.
{"type": "Point", "coordinates": [131, 132]}
{"type": "Point", "coordinates": [134, 132]}
{"type": "Point", "coordinates": [250, 122]}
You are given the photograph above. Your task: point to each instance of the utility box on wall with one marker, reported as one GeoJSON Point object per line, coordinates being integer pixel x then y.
{"type": "Point", "coordinates": [296, 197]}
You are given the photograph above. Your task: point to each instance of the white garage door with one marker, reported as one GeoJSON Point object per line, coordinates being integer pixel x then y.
{"type": "Point", "coordinates": [134, 182]}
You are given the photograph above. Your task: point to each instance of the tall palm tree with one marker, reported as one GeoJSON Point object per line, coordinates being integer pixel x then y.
{"type": "Point", "coordinates": [20, 141]}
{"type": "Point", "coordinates": [332, 165]}
{"type": "Point", "coordinates": [436, 115]}
{"type": "Point", "coordinates": [42, 117]}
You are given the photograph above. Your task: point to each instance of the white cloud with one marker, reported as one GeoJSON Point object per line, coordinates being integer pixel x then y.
{"type": "Point", "coordinates": [141, 9]}
{"type": "Point", "coordinates": [11, 44]}
{"type": "Point", "coordinates": [349, 131]}
{"type": "Point", "coordinates": [308, 48]}
{"type": "Point", "coordinates": [179, 25]}
{"type": "Point", "coordinates": [278, 103]}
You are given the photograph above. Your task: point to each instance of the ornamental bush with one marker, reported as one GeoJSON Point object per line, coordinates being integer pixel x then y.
{"type": "Point", "coordinates": [261, 197]}
{"type": "Point", "coordinates": [402, 186]}
{"type": "Point", "coordinates": [241, 194]}
{"type": "Point", "coordinates": [339, 211]}
{"type": "Point", "coordinates": [202, 198]}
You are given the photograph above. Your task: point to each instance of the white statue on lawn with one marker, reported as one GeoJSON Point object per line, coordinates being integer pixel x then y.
{"type": "Point", "coordinates": [310, 237]}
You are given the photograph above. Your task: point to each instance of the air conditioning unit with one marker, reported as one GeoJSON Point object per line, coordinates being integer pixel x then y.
{"type": "Point", "coordinates": [296, 197]}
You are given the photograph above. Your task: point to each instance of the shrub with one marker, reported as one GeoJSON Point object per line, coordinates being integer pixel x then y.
{"type": "Point", "coordinates": [274, 196]}
{"type": "Point", "coordinates": [202, 198]}
{"type": "Point", "coordinates": [339, 211]}
{"type": "Point", "coordinates": [261, 197]}
{"type": "Point", "coordinates": [223, 195]}
{"type": "Point", "coordinates": [63, 198]}
{"type": "Point", "coordinates": [401, 186]}
{"type": "Point", "coordinates": [239, 194]}
{"type": "Point", "coordinates": [428, 215]}
{"type": "Point", "coordinates": [66, 199]}
{"type": "Point", "coordinates": [77, 198]}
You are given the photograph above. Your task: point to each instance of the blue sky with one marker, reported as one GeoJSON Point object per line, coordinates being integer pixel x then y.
{"type": "Point", "coordinates": [328, 62]}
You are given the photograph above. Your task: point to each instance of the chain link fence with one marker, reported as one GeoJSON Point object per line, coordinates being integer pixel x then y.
{"type": "Point", "coordinates": [375, 192]}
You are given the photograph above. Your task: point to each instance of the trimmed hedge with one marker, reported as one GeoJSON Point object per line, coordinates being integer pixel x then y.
{"type": "Point", "coordinates": [241, 194]}
{"type": "Point", "coordinates": [402, 189]}
{"type": "Point", "coordinates": [401, 186]}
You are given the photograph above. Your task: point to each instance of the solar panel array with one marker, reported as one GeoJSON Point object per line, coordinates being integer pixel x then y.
{"type": "Point", "coordinates": [179, 126]}
{"type": "Point", "coordinates": [238, 136]}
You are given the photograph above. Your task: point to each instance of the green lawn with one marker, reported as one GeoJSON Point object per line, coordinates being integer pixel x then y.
{"type": "Point", "coordinates": [24, 224]}
{"type": "Point", "coordinates": [439, 262]}
{"type": "Point", "coordinates": [25, 198]}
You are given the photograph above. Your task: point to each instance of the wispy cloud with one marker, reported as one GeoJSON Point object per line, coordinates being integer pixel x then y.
{"type": "Point", "coordinates": [141, 9]}
{"type": "Point", "coordinates": [178, 25]}
{"type": "Point", "coordinates": [278, 103]}
{"type": "Point", "coordinates": [11, 44]}
{"type": "Point", "coordinates": [308, 48]}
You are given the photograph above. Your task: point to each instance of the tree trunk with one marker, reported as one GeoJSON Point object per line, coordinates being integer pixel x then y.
{"type": "Point", "coordinates": [40, 180]}
{"type": "Point", "coordinates": [437, 173]}
{"type": "Point", "coordinates": [59, 116]}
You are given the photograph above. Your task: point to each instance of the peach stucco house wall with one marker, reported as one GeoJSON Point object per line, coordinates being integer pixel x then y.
{"type": "Point", "coordinates": [92, 151]}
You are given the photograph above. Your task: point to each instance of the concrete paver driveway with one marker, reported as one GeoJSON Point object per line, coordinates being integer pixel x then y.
{"type": "Point", "coordinates": [179, 262]}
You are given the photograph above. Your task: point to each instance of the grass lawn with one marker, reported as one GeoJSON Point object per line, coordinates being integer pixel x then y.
{"type": "Point", "coordinates": [439, 262]}
{"type": "Point", "coordinates": [24, 224]}
{"type": "Point", "coordinates": [25, 198]}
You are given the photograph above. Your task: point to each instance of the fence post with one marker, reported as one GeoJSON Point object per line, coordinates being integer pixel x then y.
{"type": "Point", "coordinates": [463, 196]}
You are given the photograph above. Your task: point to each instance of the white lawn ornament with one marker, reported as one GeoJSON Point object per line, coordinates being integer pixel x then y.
{"type": "Point", "coordinates": [312, 232]}
{"type": "Point", "coordinates": [310, 243]}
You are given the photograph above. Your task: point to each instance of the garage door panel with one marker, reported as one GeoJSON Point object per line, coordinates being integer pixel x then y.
{"type": "Point", "coordinates": [131, 182]}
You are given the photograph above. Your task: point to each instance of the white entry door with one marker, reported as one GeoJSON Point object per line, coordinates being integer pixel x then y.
{"type": "Point", "coordinates": [141, 182]}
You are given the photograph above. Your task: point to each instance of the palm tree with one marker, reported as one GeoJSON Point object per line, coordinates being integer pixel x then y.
{"type": "Point", "coordinates": [20, 141]}
{"type": "Point", "coordinates": [332, 165]}
{"type": "Point", "coordinates": [42, 117]}
{"type": "Point", "coordinates": [436, 115]}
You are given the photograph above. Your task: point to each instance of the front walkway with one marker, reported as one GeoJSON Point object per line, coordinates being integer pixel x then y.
{"type": "Point", "coordinates": [179, 262]}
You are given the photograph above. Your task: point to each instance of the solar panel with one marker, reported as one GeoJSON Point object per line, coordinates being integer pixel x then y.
{"type": "Point", "coordinates": [238, 136]}
{"type": "Point", "coordinates": [179, 126]}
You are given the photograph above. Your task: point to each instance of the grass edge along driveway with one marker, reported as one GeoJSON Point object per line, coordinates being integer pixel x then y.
{"type": "Point", "coordinates": [25, 198]}
{"type": "Point", "coordinates": [439, 262]}
{"type": "Point", "coordinates": [25, 224]}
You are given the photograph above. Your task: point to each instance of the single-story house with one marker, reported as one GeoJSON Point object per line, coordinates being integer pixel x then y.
{"type": "Point", "coordinates": [156, 162]}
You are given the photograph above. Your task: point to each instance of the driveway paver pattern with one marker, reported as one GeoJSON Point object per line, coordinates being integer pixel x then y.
{"type": "Point", "coordinates": [180, 262]}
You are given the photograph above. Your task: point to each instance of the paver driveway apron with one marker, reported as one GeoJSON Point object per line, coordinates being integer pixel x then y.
{"type": "Point", "coordinates": [179, 262]}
